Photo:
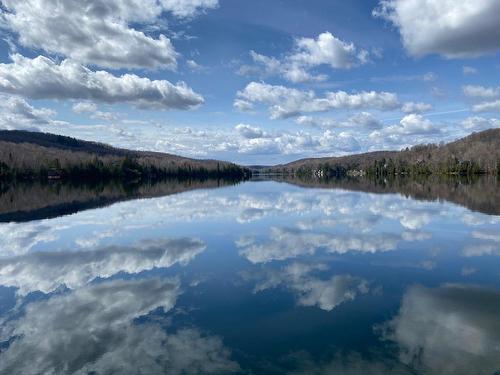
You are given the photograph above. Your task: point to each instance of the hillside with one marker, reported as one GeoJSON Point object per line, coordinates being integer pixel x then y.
{"type": "Point", "coordinates": [25, 154]}
{"type": "Point", "coordinates": [478, 153]}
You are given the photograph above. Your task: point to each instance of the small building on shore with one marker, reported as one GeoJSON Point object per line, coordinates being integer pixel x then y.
{"type": "Point", "coordinates": [54, 174]}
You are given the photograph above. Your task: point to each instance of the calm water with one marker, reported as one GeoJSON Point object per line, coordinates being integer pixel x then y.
{"type": "Point", "coordinates": [255, 278]}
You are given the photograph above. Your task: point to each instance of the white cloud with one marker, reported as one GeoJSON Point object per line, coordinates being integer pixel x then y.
{"type": "Point", "coordinates": [469, 70]}
{"type": "Point", "coordinates": [287, 102]}
{"type": "Point", "coordinates": [99, 32]}
{"type": "Point", "coordinates": [17, 114]}
{"type": "Point", "coordinates": [411, 130]}
{"type": "Point", "coordinates": [84, 107]}
{"type": "Point", "coordinates": [188, 8]}
{"type": "Point", "coordinates": [328, 50]}
{"type": "Point", "coordinates": [453, 29]}
{"type": "Point", "coordinates": [481, 92]}
{"type": "Point", "coordinates": [253, 139]}
{"type": "Point", "coordinates": [250, 132]}
{"type": "Point", "coordinates": [362, 120]}
{"type": "Point", "coordinates": [493, 106]}
{"type": "Point", "coordinates": [194, 66]}
{"type": "Point", "coordinates": [412, 107]}
{"type": "Point", "coordinates": [410, 125]}
{"type": "Point", "coordinates": [489, 95]}
{"type": "Point", "coordinates": [243, 105]}
{"type": "Point", "coordinates": [92, 110]}
{"type": "Point", "coordinates": [415, 124]}
{"type": "Point", "coordinates": [309, 53]}
{"type": "Point", "coordinates": [339, 142]}
{"type": "Point", "coordinates": [42, 78]}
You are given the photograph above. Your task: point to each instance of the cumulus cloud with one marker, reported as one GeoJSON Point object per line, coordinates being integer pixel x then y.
{"type": "Point", "coordinates": [188, 8]}
{"type": "Point", "coordinates": [287, 102]}
{"type": "Point", "coordinates": [99, 32]}
{"type": "Point", "coordinates": [488, 97]}
{"type": "Point", "coordinates": [412, 107]}
{"type": "Point", "coordinates": [195, 67]}
{"type": "Point", "coordinates": [361, 120]}
{"type": "Point", "coordinates": [415, 124]}
{"type": "Point", "coordinates": [446, 331]}
{"type": "Point", "coordinates": [409, 126]}
{"type": "Point", "coordinates": [92, 330]}
{"type": "Point", "coordinates": [43, 78]}
{"type": "Point", "coordinates": [46, 271]}
{"type": "Point", "coordinates": [493, 106]}
{"type": "Point", "coordinates": [328, 50]}
{"type": "Point", "coordinates": [308, 53]}
{"type": "Point", "coordinates": [253, 139]}
{"type": "Point", "coordinates": [92, 110]}
{"type": "Point", "coordinates": [249, 132]}
{"type": "Point", "coordinates": [481, 92]}
{"type": "Point", "coordinates": [452, 29]}
{"type": "Point", "coordinates": [17, 114]}
{"type": "Point", "coordinates": [476, 123]}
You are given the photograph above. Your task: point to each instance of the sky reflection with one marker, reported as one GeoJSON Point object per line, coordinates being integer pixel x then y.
{"type": "Point", "coordinates": [263, 276]}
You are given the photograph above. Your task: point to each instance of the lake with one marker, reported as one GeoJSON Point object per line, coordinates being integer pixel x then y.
{"type": "Point", "coordinates": [258, 277]}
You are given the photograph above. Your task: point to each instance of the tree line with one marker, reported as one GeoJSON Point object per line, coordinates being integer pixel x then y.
{"type": "Point", "coordinates": [476, 154]}
{"type": "Point", "coordinates": [58, 157]}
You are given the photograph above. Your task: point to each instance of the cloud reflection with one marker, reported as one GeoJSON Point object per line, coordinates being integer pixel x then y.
{"type": "Point", "coordinates": [46, 271]}
{"type": "Point", "coordinates": [453, 329]}
{"type": "Point", "coordinates": [311, 290]}
{"type": "Point", "coordinates": [287, 243]}
{"type": "Point", "coordinates": [93, 330]}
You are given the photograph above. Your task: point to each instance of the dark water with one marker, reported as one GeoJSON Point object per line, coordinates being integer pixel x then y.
{"type": "Point", "coordinates": [262, 277]}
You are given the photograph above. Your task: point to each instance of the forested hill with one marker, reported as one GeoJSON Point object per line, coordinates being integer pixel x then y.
{"type": "Point", "coordinates": [25, 154]}
{"type": "Point", "coordinates": [60, 142]}
{"type": "Point", "coordinates": [475, 154]}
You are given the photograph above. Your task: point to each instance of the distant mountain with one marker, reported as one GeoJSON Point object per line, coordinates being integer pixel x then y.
{"type": "Point", "coordinates": [25, 154]}
{"type": "Point", "coordinates": [474, 154]}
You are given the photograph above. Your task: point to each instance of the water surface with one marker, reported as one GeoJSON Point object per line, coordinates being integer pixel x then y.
{"type": "Point", "coordinates": [259, 277]}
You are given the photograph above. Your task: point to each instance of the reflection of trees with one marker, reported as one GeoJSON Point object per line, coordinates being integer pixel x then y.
{"type": "Point", "coordinates": [24, 202]}
{"type": "Point", "coordinates": [479, 194]}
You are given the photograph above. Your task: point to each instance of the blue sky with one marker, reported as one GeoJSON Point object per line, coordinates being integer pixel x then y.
{"type": "Point", "coordinates": [255, 82]}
